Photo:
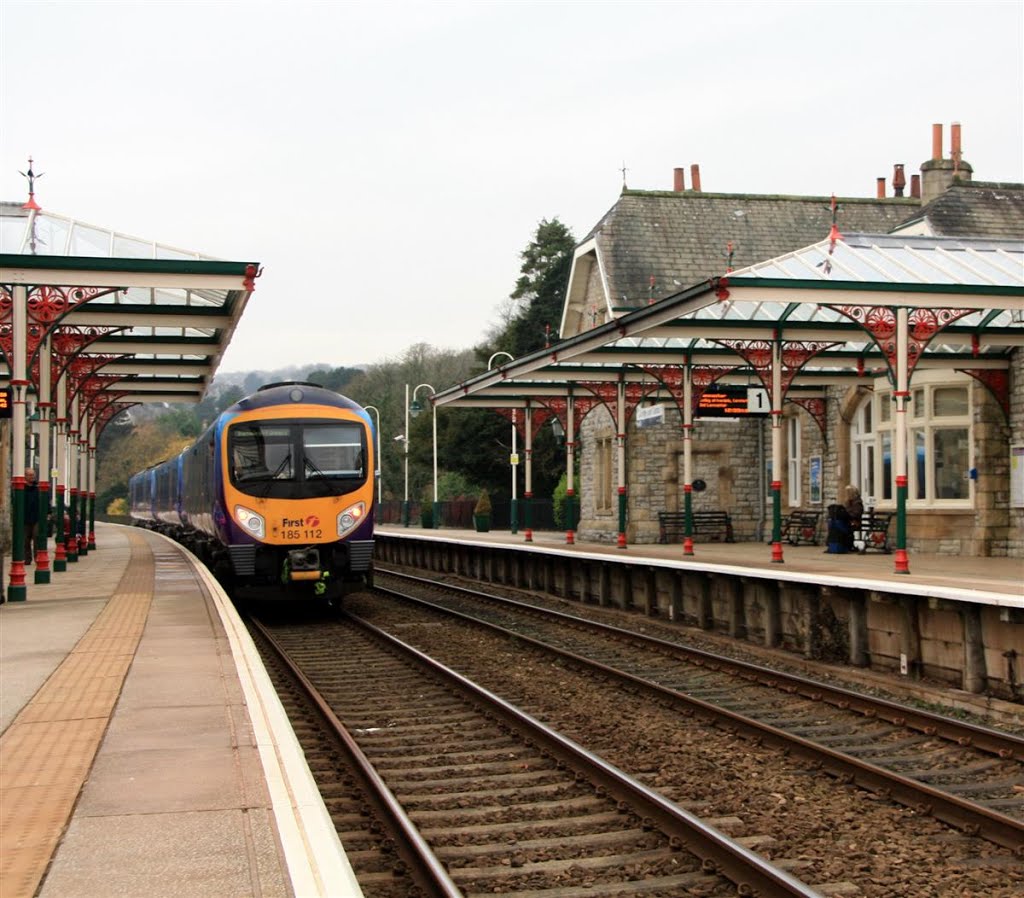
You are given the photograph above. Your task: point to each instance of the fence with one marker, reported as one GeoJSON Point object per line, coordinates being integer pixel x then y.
{"type": "Point", "coordinates": [458, 513]}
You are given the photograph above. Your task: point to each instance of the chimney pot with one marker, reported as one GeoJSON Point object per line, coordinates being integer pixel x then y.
{"type": "Point", "coordinates": [678, 183]}
{"type": "Point", "coordinates": [936, 141]}
{"type": "Point", "coordinates": [899, 179]}
{"type": "Point", "coordinates": [915, 186]}
{"type": "Point", "coordinates": [695, 178]}
{"type": "Point", "coordinates": [880, 193]}
{"type": "Point", "coordinates": [954, 139]}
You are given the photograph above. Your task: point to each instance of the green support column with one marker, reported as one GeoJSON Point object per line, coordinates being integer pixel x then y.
{"type": "Point", "coordinates": [72, 537]}
{"type": "Point", "coordinates": [902, 563]}
{"type": "Point", "coordinates": [16, 590]}
{"type": "Point", "coordinates": [42, 571]}
{"type": "Point", "coordinates": [92, 521]}
{"type": "Point", "coordinates": [623, 504]}
{"type": "Point", "coordinates": [83, 520]}
{"type": "Point", "coordinates": [514, 516]}
{"type": "Point", "coordinates": [777, 521]}
{"type": "Point", "coordinates": [688, 511]}
{"type": "Point", "coordinates": [60, 558]}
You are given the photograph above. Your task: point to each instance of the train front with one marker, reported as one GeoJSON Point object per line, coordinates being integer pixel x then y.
{"type": "Point", "coordinates": [297, 481]}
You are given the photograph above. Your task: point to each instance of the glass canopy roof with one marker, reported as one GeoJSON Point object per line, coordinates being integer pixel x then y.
{"type": "Point", "coordinates": [154, 305]}
{"type": "Point", "coordinates": [973, 287]}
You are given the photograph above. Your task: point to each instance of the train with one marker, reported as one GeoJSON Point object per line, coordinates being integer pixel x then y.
{"type": "Point", "coordinates": [276, 496]}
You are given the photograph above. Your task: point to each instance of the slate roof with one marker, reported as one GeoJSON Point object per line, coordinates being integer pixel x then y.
{"type": "Point", "coordinates": [975, 209]}
{"type": "Point", "coordinates": [681, 238]}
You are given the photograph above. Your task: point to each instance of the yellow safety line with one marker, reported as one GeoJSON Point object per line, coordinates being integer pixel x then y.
{"type": "Point", "coordinates": [47, 752]}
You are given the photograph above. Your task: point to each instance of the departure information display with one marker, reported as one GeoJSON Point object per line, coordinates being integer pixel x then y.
{"type": "Point", "coordinates": [732, 402]}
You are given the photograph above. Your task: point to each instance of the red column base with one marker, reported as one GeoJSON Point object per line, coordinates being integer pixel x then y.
{"type": "Point", "coordinates": [92, 540]}
{"type": "Point", "coordinates": [902, 562]}
{"type": "Point", "coordinates": [777, 553]}
{"type": "Point", "coordinates": [570, 537]}
{"type": "Point", "coordinates": [688, 545]}
{"type": "Point", "coordinates": [528, 536]}
{"type": "Point", "coordinates": [621, 541]}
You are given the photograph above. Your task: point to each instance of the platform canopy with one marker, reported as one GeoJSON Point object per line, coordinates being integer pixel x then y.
{"type": "Point", "coordinates": [831, 308]}
{"type": "Point", "coordinates": [130, 318]}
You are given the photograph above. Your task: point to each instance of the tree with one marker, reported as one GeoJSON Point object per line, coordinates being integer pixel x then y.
{"type": "Point", "coordinates": [540, 290]}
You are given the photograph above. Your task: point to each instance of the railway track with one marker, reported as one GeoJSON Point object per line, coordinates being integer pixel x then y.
{"type": "Point", "coordinates": [940, 769]}
{"type": "Point", "coordinates": [478, 798]}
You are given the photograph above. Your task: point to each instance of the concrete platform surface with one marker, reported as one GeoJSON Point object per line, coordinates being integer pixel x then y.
{"type": "Point", "coordinates": [143, 751]}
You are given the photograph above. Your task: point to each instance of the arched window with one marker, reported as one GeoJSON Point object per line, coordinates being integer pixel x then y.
{"type": "Point", "coordinates": [863, 440]}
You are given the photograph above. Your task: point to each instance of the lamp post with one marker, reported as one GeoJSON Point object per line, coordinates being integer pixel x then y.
{"type": "Point", "coordinates": [414, 410]}
{"type": "Point", "coordinates": [513, 458]}
{"type": "Point", "coordinates": [405, 442]}
{"type": "Point", "coordinates": [377, 457]}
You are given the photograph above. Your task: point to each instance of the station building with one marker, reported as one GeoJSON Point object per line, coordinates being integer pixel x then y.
{"type": "Point", "coordinates": [946, 249]}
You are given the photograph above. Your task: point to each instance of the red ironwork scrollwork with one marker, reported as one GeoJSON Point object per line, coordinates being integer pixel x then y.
{"type": "Point", "coordinates": [997, 382]}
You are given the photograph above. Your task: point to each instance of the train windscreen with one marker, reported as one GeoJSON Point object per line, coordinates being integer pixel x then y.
{"type": "Point", "coordinates": [297, 460]}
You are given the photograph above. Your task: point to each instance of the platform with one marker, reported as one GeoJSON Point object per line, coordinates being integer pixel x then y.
{"type": "Point", "coordinates": [987, 580]}
{"type": "Point", "coordinates": [143, 749]}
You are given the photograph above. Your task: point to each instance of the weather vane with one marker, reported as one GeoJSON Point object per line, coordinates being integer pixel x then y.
{"type": "Point", "coordinates": [624, 170]}
{"type": "Point", "coordinates": [31, 177]}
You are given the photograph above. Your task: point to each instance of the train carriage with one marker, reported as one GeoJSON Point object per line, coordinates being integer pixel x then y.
{"type": "Point", "coordinates": [276, 496]}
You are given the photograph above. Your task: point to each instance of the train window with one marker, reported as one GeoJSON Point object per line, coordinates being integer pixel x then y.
{"type": "Point", "coordinates": [261, 452]}
{"type": "Point", "coordinates": [333, 450]}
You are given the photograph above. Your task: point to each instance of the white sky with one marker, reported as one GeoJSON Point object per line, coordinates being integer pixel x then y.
{"type": "Point", "coordinates": [387, 162]}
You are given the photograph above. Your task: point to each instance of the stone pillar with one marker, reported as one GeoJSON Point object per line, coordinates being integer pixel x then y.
{"type": "Point", "coordinates": [604, 590]}
{"type": "Point", "coordinates": [772, 623]}
{"type": "Point", "coordinates": [858, 630]}
{"type": "Point", "coordinates": [737, 609]}
{"type": "Point", "coordinates": [975, 671]}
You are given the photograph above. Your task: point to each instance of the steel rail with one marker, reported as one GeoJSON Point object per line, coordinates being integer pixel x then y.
{"type": "Point", "coordinates": [428, 871]}
{"type": "Point", "coordinates": [973, 819]}
{"type": "Point", "coordinates": [751, 873]}
{"type": "Point", "coordinates": [999, 744]}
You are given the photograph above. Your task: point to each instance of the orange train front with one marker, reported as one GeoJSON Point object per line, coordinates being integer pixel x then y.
{"type": "Point", "coordinates": [276, 496]}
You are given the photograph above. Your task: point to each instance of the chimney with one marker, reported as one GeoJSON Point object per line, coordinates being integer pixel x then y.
{"type": "Point", "coordinates": [899, 180]}
{"type": "Point", "coordinates": [880, 191]}
{"type": "Point", "coordinates": [938, 174]}
{"type": "Point", "coordinates": [678, 184]}
{"type": "Point", "coordinates": [915, 187]}
{"type": "Point", "coordinates": [695, 178]}
{"type": "Point", "coordinates": [954, 149]}
{"type": "Point", "coordinates": [936, 141]}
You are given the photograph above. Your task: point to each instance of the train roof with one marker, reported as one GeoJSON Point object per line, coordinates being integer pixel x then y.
{"type": "Point", "coordinates": [290, 392]}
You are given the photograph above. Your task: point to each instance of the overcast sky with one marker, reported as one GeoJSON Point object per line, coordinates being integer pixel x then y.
{"type": "Point", "coordinates": [387, 162]}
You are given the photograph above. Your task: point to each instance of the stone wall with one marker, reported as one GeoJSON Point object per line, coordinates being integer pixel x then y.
{"type": "Point", "coordinates": [731, 457]}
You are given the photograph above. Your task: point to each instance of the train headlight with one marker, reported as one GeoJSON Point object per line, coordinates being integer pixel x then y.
{"type": "Point", "coordinates": [252, 523]}
{"type": "Point", "coordinates": [351, 517]}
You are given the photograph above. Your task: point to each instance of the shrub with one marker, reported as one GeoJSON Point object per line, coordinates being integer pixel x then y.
{"type": "Point", "coordinates": [483, 504]}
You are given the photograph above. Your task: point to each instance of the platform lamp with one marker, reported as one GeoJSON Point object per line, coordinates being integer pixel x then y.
{"type": "Point", "coordinates": [378, 472]}
{"type": "Point", "coordinates": [414, 410]}
{"type": "Point", "coordinates": [513, 458]}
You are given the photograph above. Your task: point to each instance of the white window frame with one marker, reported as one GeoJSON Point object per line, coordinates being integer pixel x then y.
{"type": "Point", "coordinates": [922, 427]}
{"type": "Point", "coordinates": [794, 463]}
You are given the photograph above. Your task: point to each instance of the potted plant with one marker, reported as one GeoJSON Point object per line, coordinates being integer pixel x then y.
{"type": "Point", "coordinates": [482, 513]}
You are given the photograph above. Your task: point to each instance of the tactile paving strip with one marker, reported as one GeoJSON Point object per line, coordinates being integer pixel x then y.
{"type": "Point", "coordinates": [46, 753]}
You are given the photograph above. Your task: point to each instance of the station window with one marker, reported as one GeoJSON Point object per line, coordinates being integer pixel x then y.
{"type": "Point", "coordinates": [793, 469]}
{"type": "Point", "coordinates": [604, 476]}
{"type": "Point", "coordinates": [939, 445]}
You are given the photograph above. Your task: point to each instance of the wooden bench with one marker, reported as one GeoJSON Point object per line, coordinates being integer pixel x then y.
{"type": "Point", "coordinates": [873, 532]}
{"type": "Point", "coordinates": [715, 525]}
{"type": "Point", "coordinates": [801, 526]}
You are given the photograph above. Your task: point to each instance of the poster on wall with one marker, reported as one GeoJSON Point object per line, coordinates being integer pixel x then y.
{"type": "Point", "coordinates": [815, 479]}
{"type": "Point", "coordinates": [1017, 477]}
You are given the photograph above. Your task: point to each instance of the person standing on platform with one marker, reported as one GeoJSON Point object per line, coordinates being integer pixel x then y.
{"type": "Point", "coordinates": [31, 513]}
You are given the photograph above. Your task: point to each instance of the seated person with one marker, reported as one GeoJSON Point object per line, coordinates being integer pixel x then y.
{"type": "Point", "coordinates": [840, 532]}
